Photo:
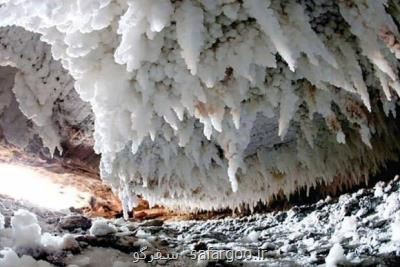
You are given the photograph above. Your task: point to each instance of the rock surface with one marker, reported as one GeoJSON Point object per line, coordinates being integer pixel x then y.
{"type": "Point", "coordinates": [74, 222]}
{"type": "Point", "coordinates": [356, 229]}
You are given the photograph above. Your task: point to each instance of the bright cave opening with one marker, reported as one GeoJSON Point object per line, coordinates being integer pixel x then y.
{"type": "Point", "coordinates": [47, 184]}
{"type": "Point", "coordinates": [30, 173]}
{"type": "Point", "coordinates": [39, 188]}
{"type": "Point", "coordinates": [28, 184]}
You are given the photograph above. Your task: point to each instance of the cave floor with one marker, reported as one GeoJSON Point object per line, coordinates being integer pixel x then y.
{"type": "Point", "coordinates": [366, 224]}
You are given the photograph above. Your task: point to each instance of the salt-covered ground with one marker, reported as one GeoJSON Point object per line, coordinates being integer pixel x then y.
{"type": "Point", "coordinates": [358, 229]}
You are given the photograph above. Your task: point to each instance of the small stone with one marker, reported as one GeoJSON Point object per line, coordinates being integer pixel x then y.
{"type": "Point", "coordinates": [73, 222]}
{"type": "Point", "coordinates": [281, 217]}
{"type": "Point", "coordinates": [155, 222]}
{"type": "Point", "coordinates": [164, 243]}
{"type": "Point", "coordinates": [379, 224]}
{"type": "Point", "coordinates": [7, 221]}
{"type": "Point", "coordinates": [288, 248]}
{"type": "Point", "coordinates": [351, 207]}
{"type": "Point", "coordinates": [200, 246]}
{"type": "Point", "coordinates": [269, 246]}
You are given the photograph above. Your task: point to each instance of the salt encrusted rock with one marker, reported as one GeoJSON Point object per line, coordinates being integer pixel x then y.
{"type": "Point", "coordinates": [212, 104]}
{"type": "Point", "coordinates": [102, 227]}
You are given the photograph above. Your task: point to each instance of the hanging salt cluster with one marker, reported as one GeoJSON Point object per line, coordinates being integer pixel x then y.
{"type": "Point", "coordinates": [211, 104]}
{"type": "Point", "coordinates": [36, 85]}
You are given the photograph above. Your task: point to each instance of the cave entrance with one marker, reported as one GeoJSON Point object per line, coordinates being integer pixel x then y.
{"type": "Point", "coordinates": [41, 188]}
{"type": "Point", "coordinates": [50, 186]}
{"type": "Point", "coordinates": [32, 181]}
{"type": "Point", "coordinates": [32, 173]}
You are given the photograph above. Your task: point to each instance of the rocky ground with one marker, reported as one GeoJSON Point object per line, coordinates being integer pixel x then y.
{"type": "Point", "coordinates": [358, 229]}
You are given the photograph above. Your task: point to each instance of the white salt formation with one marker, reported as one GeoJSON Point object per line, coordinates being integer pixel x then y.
{"type": "Point", "coordinates": [211, 104]}
{"type": "Point", "coordinates": [26, 233]}
{"type": "Point", "coordinates": [35, 87]}
{"type": "Point", "coordinates": [336, 254]}
{"type": "Point", "coordinates": [101, 228]}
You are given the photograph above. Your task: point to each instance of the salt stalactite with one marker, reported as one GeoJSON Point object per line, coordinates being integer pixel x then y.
{"type": "Point", "coordinates": [35, 89]}
{"type": "Point", "coordinates": [212, 104]}
{"type": "Point", "coordinates": [36, 85]}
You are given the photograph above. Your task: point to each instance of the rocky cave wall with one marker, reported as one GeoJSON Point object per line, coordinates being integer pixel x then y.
{"type": "Point", "coordinates": [207, 104]}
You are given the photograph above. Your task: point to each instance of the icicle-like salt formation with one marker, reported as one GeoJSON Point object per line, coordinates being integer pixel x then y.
{"type": "Point", "coordinates": [211, 104]}
{"type": "Point", "coordinates": [33, 83]}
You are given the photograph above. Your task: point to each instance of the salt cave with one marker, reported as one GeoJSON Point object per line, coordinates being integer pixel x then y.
{"type": "Point", "coordinates": [205, 105]}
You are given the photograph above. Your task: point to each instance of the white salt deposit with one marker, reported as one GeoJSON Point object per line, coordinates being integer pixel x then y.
{"type": "Point", "coordinates": [335, 256]}
{"type": "Point", "coordinates": [26, 230]}
{"type": "Point", "coordinates": [27, 234]}
{"type": "Point", "coordinates": [102, 227]}
{"type": "Point", "coordinates": [212, 104]}
{"type": "Point", "coordinates": [1, 221]}
{"type": "Point", "coordinates": [11, 259]}
{"type": "Point", "coordinates": [395, 227]}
